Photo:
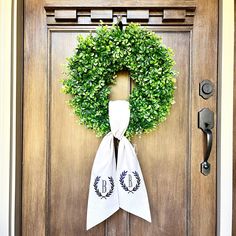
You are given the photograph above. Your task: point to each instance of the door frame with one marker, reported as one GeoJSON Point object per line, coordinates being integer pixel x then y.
{"type": "Point", "coordinates": [11, 82]}
{"type": "Point", "coordinates": [11, 64]}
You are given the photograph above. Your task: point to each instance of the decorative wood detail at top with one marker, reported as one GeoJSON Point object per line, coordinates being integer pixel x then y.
{"type": "Point", "coordinates": [101, 15]}
{"type": "Point", "coordinates": [174, 15]}
{"type": "Point", "coordinates": [180, 16]}
{"type": "Point", "coordinates": [65, 15]}
{"type": "Point", "coordinates": [137, 15]}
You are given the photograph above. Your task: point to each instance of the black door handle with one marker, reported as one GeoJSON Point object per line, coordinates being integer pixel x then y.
{"type": "Point", "coordinates": [205, 165]}
{"type": "Point", "coordinates": [206, 123]}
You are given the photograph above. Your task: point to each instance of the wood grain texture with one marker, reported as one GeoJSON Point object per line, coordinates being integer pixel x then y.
{"type": "Point", "coordinates": [123, 3]}
{"type": "Point", "coordinates": [70, 161]}
{"type": "Point", "coordinates": [137, 14]}
{"type": "Point", "coordinates": [75, 160]}
{"type": "Point", "coordinates": [164, 154]}
{"type": "Point", "coordinates": [58, 152]}
{"type": "Point", "coordinates": [34, 120]}
{"type": "Point", "coordinates": [204, 66]}
{"type": "Point", "coordinates": [170, 14]}
{"type": "Point", "coordinates": [19, 117]}
{"type": "Point", "coordinates": [65, 14]}
{"type": "Point", "coordinates": [101, 14]}
{"type": "Point", "coordinates": [121, 90]}
{"type": "Point", "coordinates": [158, 16]}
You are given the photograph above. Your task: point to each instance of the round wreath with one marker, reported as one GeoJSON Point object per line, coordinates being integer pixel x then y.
{"type": "Point", "coordinates": [93, 68]}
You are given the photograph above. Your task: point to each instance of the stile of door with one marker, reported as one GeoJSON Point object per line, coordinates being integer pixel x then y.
{"type": "Point", "coordinates": [58, 152]}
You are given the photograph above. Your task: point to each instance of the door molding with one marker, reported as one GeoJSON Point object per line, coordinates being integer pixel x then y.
{"type": "Point", "coordinates": [11, 116]}
{"type": "Point", "coordinates": [148, 15]}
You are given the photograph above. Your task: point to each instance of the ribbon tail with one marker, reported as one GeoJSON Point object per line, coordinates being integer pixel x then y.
{"type": "Point", "coordinates": [133, 196]}
{"type": "Point", "coordinates": [103, 195]}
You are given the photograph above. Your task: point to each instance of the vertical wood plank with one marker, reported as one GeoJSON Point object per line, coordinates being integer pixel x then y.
{"type": "Point", "coordinates": [72, 150]}
{"type": "Point", "coordinates": [164, 155]}
{"type": "Point", "coordinates": [204, 66]}
{"type": "Point", "coordinates": [35, 120]}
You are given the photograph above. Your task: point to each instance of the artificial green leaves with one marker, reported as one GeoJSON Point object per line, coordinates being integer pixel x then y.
{"type": "Point", "coordinates": [93, 68]}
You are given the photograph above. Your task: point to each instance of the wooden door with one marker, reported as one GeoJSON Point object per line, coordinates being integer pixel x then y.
{"type": "Point", "coordinates": [58, 152]}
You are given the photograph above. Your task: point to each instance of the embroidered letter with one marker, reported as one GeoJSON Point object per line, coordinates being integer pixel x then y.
{"type": "Point", "coordinates": [129, 188]}
{"type": "Point", "coordinates": [130, 181]}
{"type": "Point", "coordinates": [104, 186]}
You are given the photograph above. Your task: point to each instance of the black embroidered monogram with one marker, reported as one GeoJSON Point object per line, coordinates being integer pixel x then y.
{"type": "Point", "coordinates": [109, 193]}
{"type": "Point", "coordinates": [113, 179]}
{"type": "Point", "coordinates": [124, 186]}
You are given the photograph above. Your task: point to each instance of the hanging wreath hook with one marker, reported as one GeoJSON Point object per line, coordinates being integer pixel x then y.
{"type": "Point", "coordinates": [119, 22]}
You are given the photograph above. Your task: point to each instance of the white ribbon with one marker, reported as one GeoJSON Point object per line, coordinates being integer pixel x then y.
{"type": "Point", "coordinates": [116, 186]}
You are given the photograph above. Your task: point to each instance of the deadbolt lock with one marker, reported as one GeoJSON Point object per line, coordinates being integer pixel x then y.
{"type": "Point", "coordinates": [206, 89]}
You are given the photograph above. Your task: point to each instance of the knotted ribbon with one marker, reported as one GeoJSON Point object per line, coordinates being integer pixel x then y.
{"type": "Point", "coordinates": [121, 185]}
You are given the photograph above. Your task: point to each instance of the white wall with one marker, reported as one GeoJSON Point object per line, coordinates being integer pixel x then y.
{"type": "Point", "coordinates": [7, 115]}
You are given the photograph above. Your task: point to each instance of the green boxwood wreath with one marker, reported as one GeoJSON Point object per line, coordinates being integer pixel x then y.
{"type": "Point", "coordinates": [93, 69]}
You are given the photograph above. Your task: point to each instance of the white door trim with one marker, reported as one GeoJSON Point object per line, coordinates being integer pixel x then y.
{"type": "Point", "coordinates": [225, 118]}
{"type": "Point", "coordinates": [8, 114]}
{"type": "Point", "coordinates": [11, 27]}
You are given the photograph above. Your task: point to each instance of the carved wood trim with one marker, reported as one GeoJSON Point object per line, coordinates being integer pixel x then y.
{"type": "Point", "coordinates": [65, 15]}
{"type": "Point", "coordinates": [101, 14]}
{"type": "Point", "coordinates": [137, 15]}
{"type": "Point", "coordinates": [158, 16]}
{"type": "Point", "coordinates": [174, 15]}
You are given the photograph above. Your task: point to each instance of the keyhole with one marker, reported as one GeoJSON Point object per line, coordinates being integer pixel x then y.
{"type": "Point", "coordinates": [122, 88]}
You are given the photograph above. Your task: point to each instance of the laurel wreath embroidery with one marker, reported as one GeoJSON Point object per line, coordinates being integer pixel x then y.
{"type": "Point", "coordinates": [108, 194]}
{"type": "Point", "coordinates": [123, 185]}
